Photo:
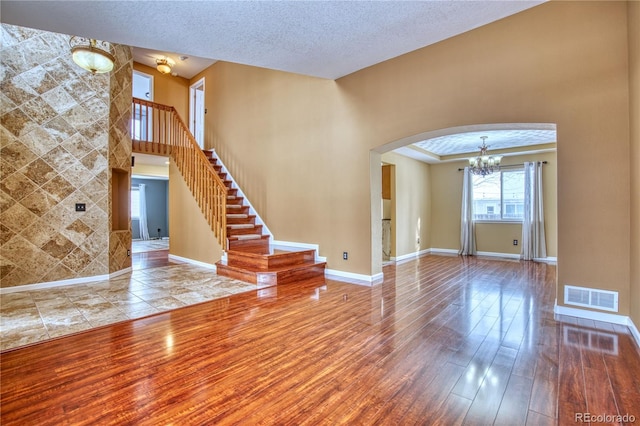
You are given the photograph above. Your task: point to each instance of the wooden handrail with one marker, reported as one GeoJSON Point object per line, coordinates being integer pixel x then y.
{"type": "Point", "coordinates": [159, 130]}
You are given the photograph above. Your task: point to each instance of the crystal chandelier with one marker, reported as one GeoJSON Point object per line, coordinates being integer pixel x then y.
{"type": "Point", "coordinates": [483, 164]}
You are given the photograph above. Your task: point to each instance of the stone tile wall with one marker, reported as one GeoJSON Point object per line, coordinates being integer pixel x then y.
{"type": "Point", "coordinates": [61, 131]}
{"type": "Point", "coordinates": [120, 147]}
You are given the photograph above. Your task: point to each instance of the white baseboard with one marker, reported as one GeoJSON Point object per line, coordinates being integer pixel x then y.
{"type": "Point", "coordinates": [350, 277]}
{"type": "Point", "coordinates": [407, 257]}
{"type": "Point", "coordinates": [288, 245]}
{"type": "Point", "coordinates": [443, 251]}
{"type": "Point", "coordinates": [549, 260]}
{"type": "Point", "coordinates": [634, 331]}
{"type": "Point", "coordinates": [235, 185]}
{"type": "Point", "coordinates": [61, 283]}
{"type": "Point", "coordinates": [480, 253]}
{"type": "Point", "coordinates": [600, 316]}
{"type": "Point", "coordinates": [592, 315]}
{"type": "Point", "coordinates": [499, 255]}
{"type": "Point", "coordinates": [193, 262]}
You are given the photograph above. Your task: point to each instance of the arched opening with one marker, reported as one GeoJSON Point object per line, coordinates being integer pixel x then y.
{"type": "Point", "coordinates": [427, 189]}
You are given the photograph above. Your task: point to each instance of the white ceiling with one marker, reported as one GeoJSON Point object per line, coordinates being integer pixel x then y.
{"type": "Point", "coordinates": [327, 39]}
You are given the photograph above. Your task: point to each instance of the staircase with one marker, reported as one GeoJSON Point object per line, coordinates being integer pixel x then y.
{"type": "Point", "coordinates": [157, 129]}
{"type": "Point", "coordinates": [249, 255]}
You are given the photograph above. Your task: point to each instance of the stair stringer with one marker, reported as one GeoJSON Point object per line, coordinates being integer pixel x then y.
{"type": "Point", "coordinates": [234, 184]}
{"type": "Point", "coordinates": [284, 245]}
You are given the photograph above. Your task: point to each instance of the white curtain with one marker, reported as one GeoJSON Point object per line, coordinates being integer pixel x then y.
{"type": "Point", "coordinates": [533, 239]}
{"type": "Point", "coordinates": [144, 229]}
{"type": "Point", "coordinates": [467, 225]}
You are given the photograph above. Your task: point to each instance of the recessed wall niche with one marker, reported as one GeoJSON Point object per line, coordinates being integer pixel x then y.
{"type": "Point", "coordinates": [120, 200]}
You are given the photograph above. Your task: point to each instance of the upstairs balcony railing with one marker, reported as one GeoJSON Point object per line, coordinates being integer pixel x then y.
{"type": "Point", "coordinates": [157, 129]}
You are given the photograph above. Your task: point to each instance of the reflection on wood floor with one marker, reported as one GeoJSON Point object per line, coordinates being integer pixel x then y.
{"type": "Point", "coordinates": [444, 340]}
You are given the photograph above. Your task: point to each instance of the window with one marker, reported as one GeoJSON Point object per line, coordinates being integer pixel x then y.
{"type": "Point", "coordinates": [499, 196]}
{"type": "Point", "coordinates": [135, 203]}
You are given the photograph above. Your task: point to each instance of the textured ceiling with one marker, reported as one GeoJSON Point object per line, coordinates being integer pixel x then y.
{"type": "Point", "coordinates": [326, 39]}
{"type": "Point", "coordinates": [187, 67]}
{"type": "Point", "coordinates": [463, 142]}
{"type": "Point", "coordinates": [496, 140]}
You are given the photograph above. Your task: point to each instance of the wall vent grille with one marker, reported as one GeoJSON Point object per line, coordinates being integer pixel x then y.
{"type": "Point", "coordinates": [591, 298]}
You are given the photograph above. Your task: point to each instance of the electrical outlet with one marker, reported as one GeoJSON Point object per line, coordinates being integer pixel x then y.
{"type": "Point", "coordinates": [515, 242]}
{"type": "Point", "coordinates": [81, 207]}
{"type": "Point", "coordinates": [345, 255]}
{"type": "Point", "coordinates": [128, 253]}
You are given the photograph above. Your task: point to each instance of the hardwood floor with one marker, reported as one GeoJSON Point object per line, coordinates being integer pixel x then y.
{"type": "Point", "coordinates": [151, 259]}
{"type": "Point", "coordinates": [444, 340]}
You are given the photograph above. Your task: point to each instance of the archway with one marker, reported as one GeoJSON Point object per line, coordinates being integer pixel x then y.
{"type": "Point", "coordinates": [517, 142]}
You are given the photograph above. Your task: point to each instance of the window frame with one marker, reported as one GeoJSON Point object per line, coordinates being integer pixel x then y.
{"type": "Point", "coordinates": [502, 202]}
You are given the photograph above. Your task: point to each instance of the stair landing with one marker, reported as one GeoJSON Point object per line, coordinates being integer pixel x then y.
{"type": "Point", "coordinates": [269, 267]}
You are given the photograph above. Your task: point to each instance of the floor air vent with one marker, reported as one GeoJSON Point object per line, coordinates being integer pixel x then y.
{"type": "Point", "coordinates": [591, 298]}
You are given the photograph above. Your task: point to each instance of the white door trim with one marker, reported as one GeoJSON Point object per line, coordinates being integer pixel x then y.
{"type": "Point", "coordinates": [196, 111]}
{"type": "Point", "coordinates": [150, 78]}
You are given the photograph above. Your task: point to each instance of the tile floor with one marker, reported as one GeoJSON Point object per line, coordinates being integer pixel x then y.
{"type": "Point", "coordinates": [33, 316]}
{"type": "Point", "coordinates": [142, 246]}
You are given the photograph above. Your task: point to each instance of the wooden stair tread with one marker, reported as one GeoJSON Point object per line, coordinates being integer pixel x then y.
{"type": "Point", "coordinates": [270, 252]}
{"type": "Point", "coordinates": [247, 237]}
{"type": "Point", "coordinates": [241, 225]}
{"type": "Point", "coordinates": [272, 276]}
{"type": "Point", "coordinates": [274, 270]}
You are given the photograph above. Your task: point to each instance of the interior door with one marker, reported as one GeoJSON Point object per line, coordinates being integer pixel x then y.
{"type": "Point", "coordinates": [196, 112]}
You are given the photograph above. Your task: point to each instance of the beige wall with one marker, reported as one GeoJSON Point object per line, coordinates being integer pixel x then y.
{"type": "Point", "coordinates": [411, 205]}
{"type": "Point", "coordinates": [168, 90]}
{"type": "Point", "coordinates": [634, 114]}
{"type": "Point", "coordinates": [299, 146]}
{"type": "Point", "coordinates": [62, 131]}
{"type": "Point", "coordinates": [490, 237]}
{"type": "Point", "coordinates": [150, 170]}
{"type": "Point", "coordinates": [288, 141]}
{"type": "Point", "coordinates": [537, 66]}
{"type": "Point", "coordinates": [190, 236]}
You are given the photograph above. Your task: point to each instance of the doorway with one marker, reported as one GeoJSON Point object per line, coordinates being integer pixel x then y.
{"type": "Point", "coordinates": [142, 88]}
{"type": "Point", "coordinates": [388, 210]}
{"type": "Point", "coordinates": [197, 111]}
